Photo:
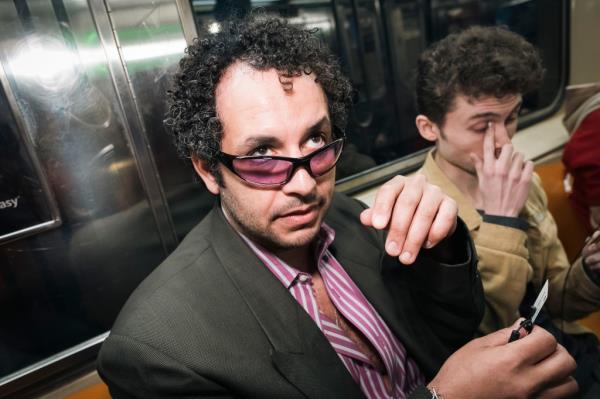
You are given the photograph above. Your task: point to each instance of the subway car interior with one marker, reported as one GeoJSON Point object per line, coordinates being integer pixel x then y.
{"type": "Point", "coordinates": [94, 197]}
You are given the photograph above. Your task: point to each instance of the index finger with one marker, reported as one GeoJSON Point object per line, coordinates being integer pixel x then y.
{"type": "Point", "coordinates": [499, 337]}
{"type": "Point", "coordinates": [562, 389]}
{"type": "Point", "coordinates": [594, 238]}
{"type": "Point", "coordinates": [592, 244]}
{"type": "Point", "coordinates": [385, 200]}
{"type": "Point", "coordinates": [554, 369]}
{"type": "Point", "coordinates": [536, 346]}
{"type": "Point", "coordinates": [488, 144]}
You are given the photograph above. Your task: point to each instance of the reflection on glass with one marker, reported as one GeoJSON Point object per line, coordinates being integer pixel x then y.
{"type": "Point", "coordinates": [45, 62]}
{"type": "Point", "coordinates": [381, 125]}
{"type": "Point", "coordinates": [153, 43]}
{"type": "Point", "coordinates": [535, 20]}
{"type": "Point", "coordinates": [25, 207]}
{"type": "Point", "coordinates": [64, 286]}
{"type": "Point", "coordinates": [379, 42]}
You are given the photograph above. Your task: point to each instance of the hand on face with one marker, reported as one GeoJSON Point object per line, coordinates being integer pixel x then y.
{"type": "Point", "coordinates": [488, 367]}
{"type": "Point", "coordinates": [503, 182]}
{"type": "Point", "coordinates": [415, 213]}
{"type": "Point", "coordinates": [591, 252]}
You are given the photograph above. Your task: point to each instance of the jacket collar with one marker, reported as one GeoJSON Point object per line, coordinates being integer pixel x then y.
{"type": "Point", "coordinates": [300, 353]}
{"type": "Point", "coordinates": [435, 175]}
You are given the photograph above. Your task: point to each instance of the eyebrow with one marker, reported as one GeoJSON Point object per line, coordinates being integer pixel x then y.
{"type": "Point", "coordinates": [322, 124]}
{"type": "Point", "coordinates": [268, 140]}
{"type": "Point", "coordinates": [493, 114]}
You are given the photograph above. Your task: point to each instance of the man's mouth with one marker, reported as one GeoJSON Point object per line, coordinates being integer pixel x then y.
{"type": "Point", "coordinates": [300, 216]}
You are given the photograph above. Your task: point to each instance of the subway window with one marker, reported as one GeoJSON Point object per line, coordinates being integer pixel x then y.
{"type": "Point", "coordinates": [378, 43]}
{"type": "Point", "coordinates": [77, 231]}
{"type": "Point", "coordinates": [540, 22]}
{"type": "Point", "coordinates": [93, 195]}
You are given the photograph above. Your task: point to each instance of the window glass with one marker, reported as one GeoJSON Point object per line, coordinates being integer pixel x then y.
{"type": "Point", "coordinates": [65, 285]}
{"type": "Point", "coordinates": [378, 43]}
{"type": "Point", "coordinates": [25, 207]}
{"type": "Point", "coordinates": [540, 22]}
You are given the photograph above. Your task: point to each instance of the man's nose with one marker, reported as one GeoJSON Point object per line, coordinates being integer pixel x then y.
{"type": "Point", "coordinates": [301, 183]}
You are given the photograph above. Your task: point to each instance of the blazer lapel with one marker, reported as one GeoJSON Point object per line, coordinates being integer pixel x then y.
{"type": "Point", "coordinates": [301, 353]}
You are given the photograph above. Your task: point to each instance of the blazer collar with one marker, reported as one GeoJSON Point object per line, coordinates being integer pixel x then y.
{"type": "Point", "coordinates": [301, 353]}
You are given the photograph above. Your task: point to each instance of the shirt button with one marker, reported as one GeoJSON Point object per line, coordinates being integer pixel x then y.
{"type": "Point", "coordinates": [303, 278]}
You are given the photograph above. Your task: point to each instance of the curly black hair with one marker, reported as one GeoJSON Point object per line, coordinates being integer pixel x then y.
{"type": "Point", "coordinates": [262, 42]}
{"type": "Point", "coordinates": [479, 61]}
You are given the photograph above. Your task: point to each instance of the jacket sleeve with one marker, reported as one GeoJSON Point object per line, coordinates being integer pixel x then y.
{"type": "Point", "coordinates": [572, 294]}
{"type": "Point", "coordinates": [581, 159]}
{"type": "Point", "coordinates": [581, 295]}
{"type": "Point", "coordinates": [510, 258]}
{"type": "Point", "coordinates": [504, 270]}
{"type": "Point", "coordinates": [439, 298]}
{"type": "Point", "coordinates": [449, 291]}
{"type": "Point", "coordinates": [132, 369]}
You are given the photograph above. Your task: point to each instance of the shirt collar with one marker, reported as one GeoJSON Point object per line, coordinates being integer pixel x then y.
{"type": "Point", "coordinates": [287, 274]}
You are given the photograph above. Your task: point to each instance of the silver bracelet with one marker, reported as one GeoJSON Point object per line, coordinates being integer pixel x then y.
{"type": "Point", "coordinates": [434, 394]}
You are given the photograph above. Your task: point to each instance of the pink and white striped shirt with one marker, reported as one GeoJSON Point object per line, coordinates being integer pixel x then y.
{"type": "Point", "coordinates": [403, 372]}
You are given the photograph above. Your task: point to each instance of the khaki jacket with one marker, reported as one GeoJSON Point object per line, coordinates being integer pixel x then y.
{"type": "Point", "coordinates": [509, 258]}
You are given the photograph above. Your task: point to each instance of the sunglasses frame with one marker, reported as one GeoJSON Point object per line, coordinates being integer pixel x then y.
{"type": "Point", "coordinates": [227, 160]}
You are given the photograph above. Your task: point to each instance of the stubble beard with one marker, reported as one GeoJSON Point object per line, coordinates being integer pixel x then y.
{"type": "Point", "coordinates": [247, 222]}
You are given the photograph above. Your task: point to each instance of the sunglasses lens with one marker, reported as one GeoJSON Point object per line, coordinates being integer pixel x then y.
{"type": "Point", "coordinates": [267, 171]}
{"type": "Point", "coordinates": [322, 162]}
{"type": "Point", "coordinates": [262, 171]}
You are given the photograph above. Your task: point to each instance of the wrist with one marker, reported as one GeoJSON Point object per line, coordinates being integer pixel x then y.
{"type": "Point", "coordinates": [507, 221]}
{"type": "Point", "coordinates": [501, 213]}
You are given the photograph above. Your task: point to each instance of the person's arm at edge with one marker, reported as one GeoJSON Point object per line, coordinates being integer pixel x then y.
{"type": "Point", "coordinates": [572, 293]}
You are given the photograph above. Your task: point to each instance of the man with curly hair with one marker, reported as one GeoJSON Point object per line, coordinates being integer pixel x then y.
{"type": "Point", "coordinates": [469, 93]}
{"type": "Point", "coordinates": [287, 290]}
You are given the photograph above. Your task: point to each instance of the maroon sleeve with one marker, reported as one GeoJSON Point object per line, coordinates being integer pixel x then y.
{"type": "Point", "coordinates": [581, 157]}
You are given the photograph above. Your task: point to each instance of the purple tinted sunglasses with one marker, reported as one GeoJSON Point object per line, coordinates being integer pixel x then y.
{"type": "Point", "coordinates": [273, 171]}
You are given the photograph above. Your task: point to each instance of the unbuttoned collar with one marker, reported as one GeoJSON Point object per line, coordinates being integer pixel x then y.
{"type": "Point", "coordinates": [285, 273]}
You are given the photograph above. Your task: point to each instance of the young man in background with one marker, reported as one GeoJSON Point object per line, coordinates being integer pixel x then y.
{"type": "Point", "coordinates": [470, 89]}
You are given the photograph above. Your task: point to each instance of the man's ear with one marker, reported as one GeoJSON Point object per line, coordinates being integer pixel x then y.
{"type": "Point", "coordinates": [428, 129]}
{"type": "Point", "coordinates": [206, 175]}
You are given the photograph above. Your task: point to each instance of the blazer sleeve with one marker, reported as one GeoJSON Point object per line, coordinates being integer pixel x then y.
{"type": "Point", "coordinates": [133, 369]}
{"type": "Point", "coordinates": [445, 291]}
{"type": "Point", "coordinates": [448, 289]}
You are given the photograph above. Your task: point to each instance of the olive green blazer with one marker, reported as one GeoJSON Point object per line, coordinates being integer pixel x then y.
{"type": "Point", "coordinates": [212, 321]}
